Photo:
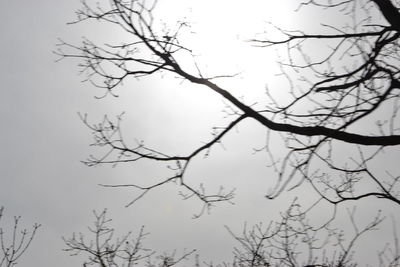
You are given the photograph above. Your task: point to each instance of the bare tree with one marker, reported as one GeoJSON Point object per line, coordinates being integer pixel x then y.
{"type": "Point", "coordinates": [332, 97]}
{"type": "Point", "coordinates": [291, 241]}
{"type": "Point", "coordinates": [14, 244]}
{"type": "Point", "coordinates": [107, 251]}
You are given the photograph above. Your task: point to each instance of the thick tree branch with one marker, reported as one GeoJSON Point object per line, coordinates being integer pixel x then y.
{"type": "Point", "coordinates": [390, 12]}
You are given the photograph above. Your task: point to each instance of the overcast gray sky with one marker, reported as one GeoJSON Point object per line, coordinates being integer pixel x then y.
{"type": "Point", "coordinates": [43, 140]}
{"type": "Point", "coordinates": [42, 178]}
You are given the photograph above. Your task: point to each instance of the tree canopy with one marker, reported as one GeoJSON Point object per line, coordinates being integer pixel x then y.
{"type": "Point", "coordinates": [337, 121]}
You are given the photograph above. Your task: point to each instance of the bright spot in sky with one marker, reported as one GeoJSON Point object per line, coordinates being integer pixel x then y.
{"type": "Point", "coordinates": [219, 38]}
